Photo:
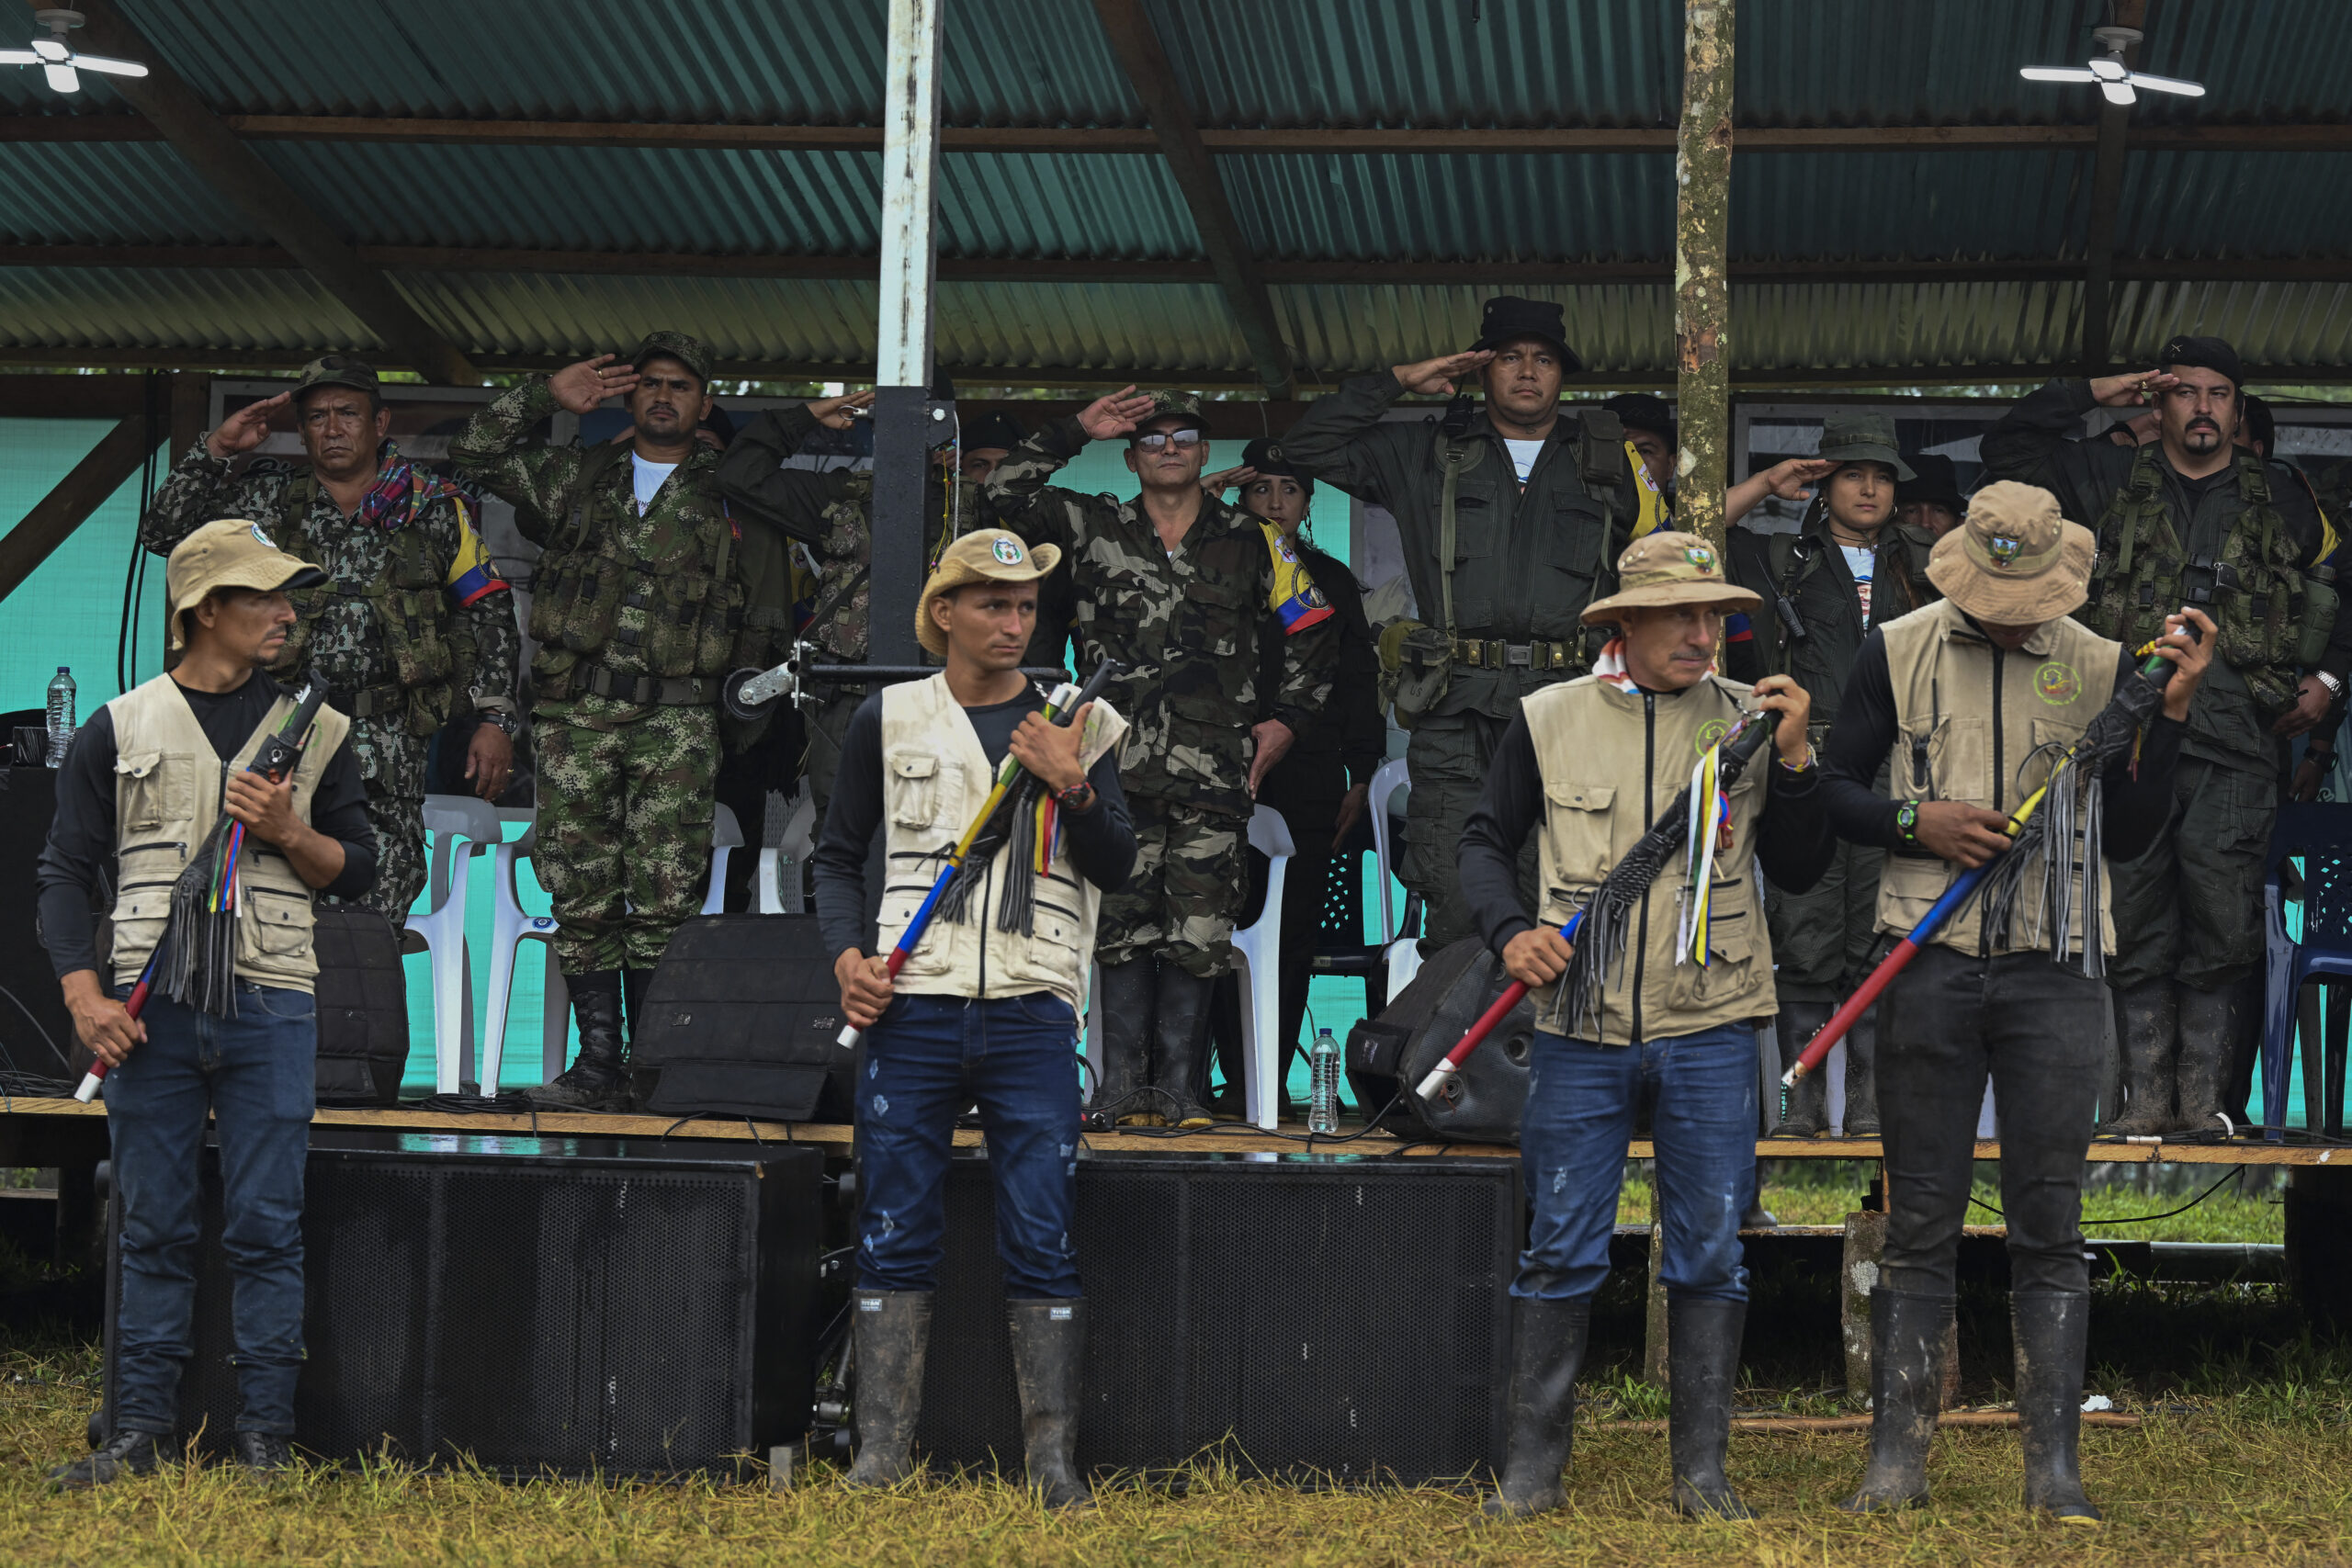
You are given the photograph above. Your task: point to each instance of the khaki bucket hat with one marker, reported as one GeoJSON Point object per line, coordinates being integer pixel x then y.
{"type": "Point", "coordinates": [232, 553]}
{"type": "Point", "coordinates": [2016, 562]}
{"type": "Point", "coordinates": [987, 554]}
{"type": "Point", "coordinates": [1670, 569]}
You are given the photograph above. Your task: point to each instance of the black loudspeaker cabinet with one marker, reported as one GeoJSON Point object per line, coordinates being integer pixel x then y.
{"type": "Point", "coordinates": [743, 1019]}
{"type": "Point", "coordinates": [36, 1031]}
{"type": "Point", "coordinates": [1335, 1319]}
{"type": "Point", "coordinates": [622, 1308]}
{"type": "Point", "coordinates": [362, 1004]}
{"type": "Point", "coordinates": [1387, 1056]}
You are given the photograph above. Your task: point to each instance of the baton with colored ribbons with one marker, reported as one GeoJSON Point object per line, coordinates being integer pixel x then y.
{"type": "Point", "coordinates": [910, 939]}
{"type": "Point", "coordinates": [2156, 669]}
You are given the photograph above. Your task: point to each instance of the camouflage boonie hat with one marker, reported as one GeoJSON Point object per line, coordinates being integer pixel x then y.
{"type": "Point", "coordinates": [2016, 562]}
{"type": "Point", "coordinates": [1165, 403]}
{"type": "Point", "coordinates": [337, 370]}
{"type": "Point", "coordinates": [984, 555]}
{"type": "Point", "coordinates": [690, 352]}
{"type": "Point", "coordinates": [1863, 439]}
{"type": "Point", "coordinates": [1667, 568]}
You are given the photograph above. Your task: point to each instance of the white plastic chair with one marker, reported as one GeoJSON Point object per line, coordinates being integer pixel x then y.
{"type": "Point", "coordinates": [1403, 958]}
{"type": "Point", "coordinates": [1258, 952]}
{"type": "Point", "coordinates": [726, 834]}
{"type": "Point", "coordinates": [510, 927]}
{"type": "Point", "coordinates": [460, 827]}
{"type": "Point", "coordinates": [780, 890]}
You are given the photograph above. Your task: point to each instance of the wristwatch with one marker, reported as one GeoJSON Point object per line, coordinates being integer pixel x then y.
{"type": "Point", "coordinates": [2335, 687]}
{"type": "Point", "coordinates": [503, 722]}
{"type": "Point", "coordinates": [1078, 800]}
{"type": "Point", "coordinates": [1906, 823]}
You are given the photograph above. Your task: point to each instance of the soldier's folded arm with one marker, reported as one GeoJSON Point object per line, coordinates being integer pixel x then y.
{"type": "Point", "coordinates": [1343, 440]}
{"type": "Point", "coordinates": [1018, 492]}
{"type": "Point", "coordinates": [752, 475]}
{"type": "Point", "coordinates": [533, 480]}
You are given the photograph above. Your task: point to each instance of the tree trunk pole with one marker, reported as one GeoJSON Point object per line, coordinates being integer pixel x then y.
{"type": "Point", "coordinates": [1702, 297]}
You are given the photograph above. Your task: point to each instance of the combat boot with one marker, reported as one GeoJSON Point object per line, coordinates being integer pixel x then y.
{"type": "Point", "coordinates": [1702, 1363]}
{"type": "Point", "coordinates": [2051, 1332]}
{"type": "Point", "coordinates": [1906, 1394]}
{"type": "Point", "coordinates": [598, 1079]}
{"type": "Point", "coordinates": [1805, 1109]}
{"type": "Point", "coordinates": [1049, 1340]}
{"type": "Point", "coordinates": [2209, 1021]}
{"type": "Point", "coordinates": [2147, 1025]}
{"type": "Point", "coordinates": [1546, 1352]}
{"type": "Point", "coordinates": [1861, 1077]}
{"type": "Point", "coordinates": [1126, 997]}
{"type": "Point", "coordinates": [1179, 1064]}
{"type": "Point", "coordinates": [891, 1335]}
{"type": "Point", "coordinates": [126, 1454]}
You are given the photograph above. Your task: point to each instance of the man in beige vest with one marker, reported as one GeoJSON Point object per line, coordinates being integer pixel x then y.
{"type": "Point", "coordinates": [1587, 765]}
{"type": "Point", "coordinates": [985, 1008]}
{"type": "Point", "coordinates": [1970, 700]}
{"type": "Point", "coordinates": [140, 789]}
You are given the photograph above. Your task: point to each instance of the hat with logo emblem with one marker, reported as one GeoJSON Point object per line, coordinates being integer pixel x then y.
{"type": "Point", "coordinates": [232, 553]}
{"type": "Point", "coordinates": [1666, 567]}
{"type": "Point", "coordinates": [2016, 562]}
{"type": "Point", "coordinates": [984, 555]}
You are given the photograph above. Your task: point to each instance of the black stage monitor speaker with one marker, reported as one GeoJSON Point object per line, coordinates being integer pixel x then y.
{"type": "Point", "coordinates": [572, 1305]}
{"type": "Point", "coordinates": [743, 1019]}
{"type": "Point", "coordinates": [36, 1038]}
{"type": "Point", "coordinates": [1335, 1318]}
{"type": "Point", "coordinates": [362, 1008]}
{"type": "Point", "coordinates": [1387, 1056]}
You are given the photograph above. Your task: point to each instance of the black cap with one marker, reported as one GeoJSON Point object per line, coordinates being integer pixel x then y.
{"type": "Point", "coordinates": [1644, 411]}
{"type": "Point", "coordinates": [1507, 316]}
{"type": "Point", "coordinates": [2204, 352]}
{"type": "Point", "coordinates": [998, 430]}
{"type": "Point", "coordinates": [1268, 457]}
{"type": "Point", "coordinates": [1937, 484]}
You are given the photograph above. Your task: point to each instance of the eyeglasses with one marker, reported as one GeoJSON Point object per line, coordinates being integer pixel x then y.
{"type": "Point", "coordinates": [1160, 440]}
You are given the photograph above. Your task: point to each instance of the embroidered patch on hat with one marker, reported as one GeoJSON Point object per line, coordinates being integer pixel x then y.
{"type": "Point", "coordinates": [1006, 552]}
{"type": "Point", "coordinates": [2002, 549]}
{"type": "Point", "coordinates": [261, 538]}
{"type": "Point", "coordinates": [1699, 556]}
{"type": "Point", "coordinates": [2056, 684]}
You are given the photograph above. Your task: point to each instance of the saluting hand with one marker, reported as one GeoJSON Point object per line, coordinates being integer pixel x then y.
{"type": "Point", "coordinates": [1432, 376]}
{"type": "Point", "coordinates": [2132, 388]}
{"type": "Point", "coordinates": [1227, 479]}
{"type": "Point", "coordinates": [834, 414]}
{"type": "Point", "coordinates": [581, 387]}
{"type": "Point", "coordinates": [245, 429]}
{"type": "Point", "coordinates": [1791, 477]}
{"type": "Point", "coordinates": [1114, 415]}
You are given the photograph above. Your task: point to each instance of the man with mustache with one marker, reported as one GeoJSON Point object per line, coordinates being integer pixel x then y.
{"type": "Point", "coordinates": [2190, 519]}
{"type": "Point", "coordinates": [414, 624]}
{"type": "Point", "coordinates": [639, 609]}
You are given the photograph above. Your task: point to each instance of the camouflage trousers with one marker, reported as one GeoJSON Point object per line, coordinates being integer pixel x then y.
{"type": "Point", "coordinates": [2190, 908]}
{"type": "Point", "coordinates": [1180, 901]}
{"type": "Point", "coordinates": [624, 833]}
{"type": "Point", "coordinates": [391, 765]}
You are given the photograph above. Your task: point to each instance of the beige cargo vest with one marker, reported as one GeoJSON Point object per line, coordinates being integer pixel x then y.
{"type": "Point", "coordinates": [935, 778]}
{"type": "Point", "coordinates": [1975, 714]}
{"type": "Point", "coordinates": [168, 789]}
{"type": "Point", "coordinates": [1609, 768]}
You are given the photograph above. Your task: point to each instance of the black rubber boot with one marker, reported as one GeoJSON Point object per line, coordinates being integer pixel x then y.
{"type": "Point", "coordinates": [1906, 1394]}
{"type": "Point", "coordinates": [2052, 1331]}
{"type": "Point", "coordinates": [1804, 1111]}
{"type": "Point", "coordinates": [1702, 1365]}
{"type": "Point", "coordinates": [891, 1334]}
{"type": "Point", "coordinates": [125, 1455]}
{"type": "Point", "coordinates": [1861, 1077]}
{"type": "Point", "coordinates": [2209, 1021]}
{"type": "Point", "coordinates": [1546, 1350]}
{"type": "Point", "coordinates": [1178, 1063]}
{"type": "Point", "coordinates": [1048, 1341]}
{"type": "Point", "coordinates": [598, 1079]}
{"type": "Point", "coordinates": [2147, 1026]}
{"type": "Point", "coordinates": [1126, 997]}
{"type": "Point", "coordinates": [264, 1454]}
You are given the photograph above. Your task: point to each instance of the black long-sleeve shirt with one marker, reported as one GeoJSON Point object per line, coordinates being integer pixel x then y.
{"type": "Point", "coordinates": [79, 857]}
{"type": "Point", "coordinates": [1792, 835]}
{"type": "Point", "coordinates": [1101, 842]}
{"type": "Point", "coordinates": [2138, 798]}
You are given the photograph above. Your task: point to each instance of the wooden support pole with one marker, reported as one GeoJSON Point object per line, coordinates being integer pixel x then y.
{"type": "Point", "coordinates": [1701, 292]}
{"type": "Point", "coordinates": [54, 517]}
{"type": "Point", "coordinates": [2103, 209]}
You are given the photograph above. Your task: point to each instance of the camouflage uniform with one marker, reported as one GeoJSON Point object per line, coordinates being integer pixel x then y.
{"type": "Point", "coordinates": [452, 594]}
{"type": "Point", "coordinates": [638, 618]}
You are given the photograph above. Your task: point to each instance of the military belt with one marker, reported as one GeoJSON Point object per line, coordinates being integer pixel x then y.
{"type": "Point", "coordinates": [1474, 653]}
{"type": "Point", "coordinates": [669, 692]}
{"type": "Point", "coordinates": [373, 701]}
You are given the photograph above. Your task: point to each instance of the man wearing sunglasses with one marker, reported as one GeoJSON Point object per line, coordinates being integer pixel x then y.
{"type": "Point", "coordinates": [1180, 588]}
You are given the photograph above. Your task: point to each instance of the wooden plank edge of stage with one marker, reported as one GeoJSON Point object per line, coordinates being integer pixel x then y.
{"type": "Point", "coordinates": [1225, 1138]}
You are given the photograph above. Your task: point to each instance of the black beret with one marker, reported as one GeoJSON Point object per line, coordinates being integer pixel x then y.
{"type": "Point", "coordinates": [994, 430]}
{"type": "Point", "coordinates": [2204, 352]}
{"type": "Point", "coordinates": [1644, 411]}
{"type": "Point", "coordinates": [1268, 457]}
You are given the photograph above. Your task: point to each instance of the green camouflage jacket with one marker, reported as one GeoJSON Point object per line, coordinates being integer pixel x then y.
{"type": "Point", "coordinates": [1187, 626]}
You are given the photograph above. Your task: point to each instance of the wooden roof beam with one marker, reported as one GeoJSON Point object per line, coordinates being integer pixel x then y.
{"type": "Point", "coordinates": [224, 162]}
{"type": "Point", "coordinates": [102, 470]}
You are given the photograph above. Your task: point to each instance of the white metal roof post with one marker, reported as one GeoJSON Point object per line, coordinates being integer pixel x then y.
{"type": "Point", "coordinates": [907, 424]}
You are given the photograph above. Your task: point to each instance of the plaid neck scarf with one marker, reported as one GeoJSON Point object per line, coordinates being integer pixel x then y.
{"type": "Point", "coordinates": [401, 490]}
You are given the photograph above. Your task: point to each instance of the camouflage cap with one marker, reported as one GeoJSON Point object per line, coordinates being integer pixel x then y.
{"type": "Point", "coordinates": [984, 555]}
{"type": "Point", "coordinates": [1165, 403]}
{"type": "Point", "coordinates": [1863, 439]}
{"type": "Point", "coordinates": [337, 370]}
{"type": "Point", "coordinates": [231, 553]}
{"type": "Point", "coordinates": [1667, 568]}
{"type": "Point", "coordinates": [690, 352]}
{"type": "Point", "coordinates": [2016, 562]}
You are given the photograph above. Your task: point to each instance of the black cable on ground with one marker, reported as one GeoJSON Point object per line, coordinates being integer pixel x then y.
{"type": "Point", "coordinates": [2137, 1219]}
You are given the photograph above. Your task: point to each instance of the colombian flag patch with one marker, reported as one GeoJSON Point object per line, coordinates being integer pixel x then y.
{"type": "Point", "coordinates": [1295, 598]}
{"type": "Point", "coordinates": [473, 576]}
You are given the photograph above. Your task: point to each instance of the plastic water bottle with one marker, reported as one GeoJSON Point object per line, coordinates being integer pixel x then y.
{"type": "Point", "coordinates": [1323, 1102]}
{"type": "Point", "coordinates": [61, 716]}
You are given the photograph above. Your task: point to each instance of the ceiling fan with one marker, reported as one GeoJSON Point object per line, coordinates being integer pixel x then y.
{"type": "Point", "coordinates": [2116, 80]}
{"type": "Point", "coordinates": [57, 59]}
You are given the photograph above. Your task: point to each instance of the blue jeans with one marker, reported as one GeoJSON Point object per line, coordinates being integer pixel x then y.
{"type": "Point", "coordinates": [256, 1074]}
{"type": "Point", "coordinates": [926, 1060]}
{"type": "Point", "coordinates": [1581, 1103]}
